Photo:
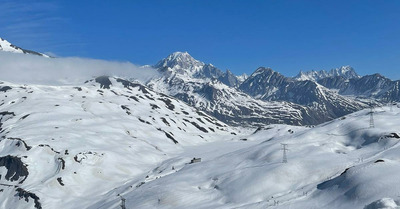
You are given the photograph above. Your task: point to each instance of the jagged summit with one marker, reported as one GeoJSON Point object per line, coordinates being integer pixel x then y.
{"type": "Point", "coordinates": [8, 47]}
{"type": "Point", "coordinates": [261, 70]}
{"type": "Point", "coordinates": [183, 64]}
{"type": "Point", "coordinates": [265, 76]}
{"type": "Point", "coordinates": [345, 71]}
{"type": "Point", "coordinates": [179, 60]}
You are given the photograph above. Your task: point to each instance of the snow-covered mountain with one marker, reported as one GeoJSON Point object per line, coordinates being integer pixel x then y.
{"type": "Point", "coordinates": [66, 146]}
{"type": "Point", "coordinates": [373, 86]}
{"type": "Point", "coordinates": [264, 97]}
{"type": "Point", "coordinates": [8, 47]}
{"type": "Point", "coordinates": [186, 67]}
{"type": "Point", "coordinates": [198, 87]}
{"type": "Point", "coordinates": [346, 72]}
{"type": "Point", "coordinates": [347, 82]}
{"type": "Point", "coordinates": [322, 103]}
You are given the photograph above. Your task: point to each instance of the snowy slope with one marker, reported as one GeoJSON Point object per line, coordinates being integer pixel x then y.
{"type": "Point", "coordinates": [65, 146]}
{"type": "Point", "coordinates": [8, 47]}
{"type": "Point", "coordinates": [339, 164]}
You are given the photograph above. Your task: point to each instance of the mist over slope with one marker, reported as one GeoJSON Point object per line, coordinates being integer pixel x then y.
{"type": "Point", "coordinates": [30, 69]}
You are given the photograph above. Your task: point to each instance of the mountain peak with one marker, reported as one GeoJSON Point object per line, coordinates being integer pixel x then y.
{"type": "Point", "coordinates": [180, 54]}
{"type": "Point", "coordinates": [8, 47]}
{"type": "Point", "coordinates": [345, 71]}
{"type": "Point", "coordinates": [262, 70]}
{"type": "Point", "coordinates": [179, 60]}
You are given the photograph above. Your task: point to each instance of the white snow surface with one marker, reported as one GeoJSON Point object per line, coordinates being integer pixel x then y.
{"type": "Point", "coordinates": [105, 137]}
{"type": "Point", "coordinates": [339, 164]}
{"type": "Point", "coordinates": [119, 142]}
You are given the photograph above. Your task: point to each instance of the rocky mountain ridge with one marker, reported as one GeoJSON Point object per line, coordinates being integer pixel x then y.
{"type": "Point", "coordinates": [8, 47]}
{"type": "Point", "coordinates": [206, 87]}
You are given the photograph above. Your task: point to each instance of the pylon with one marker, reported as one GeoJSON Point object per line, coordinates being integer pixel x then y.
{"type": "Point", "coordinates": [123, 203]}
{"type": "Point", "coordinates": [371, 118]}
{"type": "Point", "coordinates": [284, 149]}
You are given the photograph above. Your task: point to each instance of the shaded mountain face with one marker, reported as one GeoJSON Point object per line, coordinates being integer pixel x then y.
{"type": "Point", "coordinates": [322, 103]}
{"type": "Point", "coordinates": [8, 47]}
{"type": "Point", "coordinates": [229, 79]}
{"type": "Point", "coordinates": [373, 86]}
{"type": "Point", "coordinates": [348, 83]}
{"type": "Point", "coordinates": [263, 82]}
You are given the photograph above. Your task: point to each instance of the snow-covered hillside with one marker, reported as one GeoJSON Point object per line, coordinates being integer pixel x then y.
{"type": "Point", "coordinates": [65, 146]}
{"type": "Point", "coordinates": [339, 164]}
{"type": "Point", "coordinates": [8, 47]}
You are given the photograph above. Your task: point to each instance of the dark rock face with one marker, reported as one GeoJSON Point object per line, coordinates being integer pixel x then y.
{"type": "Point", "coordinates": [5, 116]}
{"type": "Point", "coordinates": [337, 82]}
{"type": "Point", "coordinates": [104, 82]}
{"type": "Point", "coordinates": [26, 195]}
{"type": "Point", "coordinates": [16, 169]}
{"type": "Point", "coordinates": [373, 86]}
{"type": "Point", "coordinates": [263, 81]}
{"type": "Point", "coordinates": [209, 71]}
{"type": "Point", "coordinates": [128, 85]}
{"type": "Point", "coordinates": [5, 88]}
{"type": "Point", "coordinates": [229, 79]}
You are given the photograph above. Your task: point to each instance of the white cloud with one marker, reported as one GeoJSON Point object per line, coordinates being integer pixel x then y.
{"type": "Point", "coordinates": [31, 69]}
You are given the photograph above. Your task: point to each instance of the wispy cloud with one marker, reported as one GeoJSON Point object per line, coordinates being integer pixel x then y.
{"type": "Point", "coordinates": [26, 16]}
{"type": "Point", "coordinates": [31, 24]}
{"type": "Point", "coordinates": [30, 69]}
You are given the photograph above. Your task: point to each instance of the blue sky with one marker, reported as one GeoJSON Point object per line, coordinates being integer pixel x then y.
{"type": "Point", "coordinates": [239, 35]}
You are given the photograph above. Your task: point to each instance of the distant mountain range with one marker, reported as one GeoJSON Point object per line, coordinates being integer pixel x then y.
{"type": "Point", "coordinates": [344, 71]}
{"type": "Point", "coordinates": [266, 96]}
